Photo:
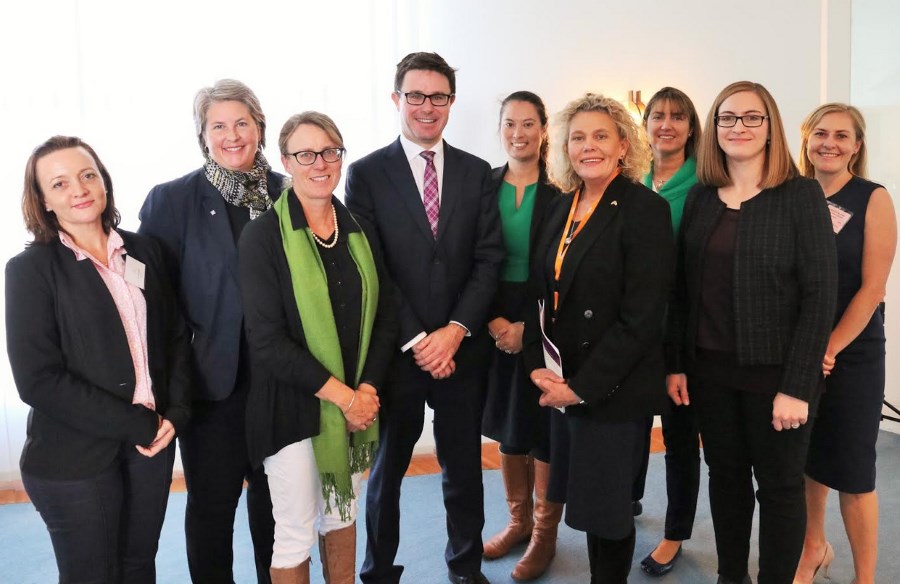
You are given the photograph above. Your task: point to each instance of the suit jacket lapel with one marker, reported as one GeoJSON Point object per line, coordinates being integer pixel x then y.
{"type": "Point", "coordinates": [450, 189]}
{"type": "Point", "coordinates": [606, 211]}
{"type": "Point", "coordinates": [401, 176]}
{"type": "Point", "coordinates": [215, 220]}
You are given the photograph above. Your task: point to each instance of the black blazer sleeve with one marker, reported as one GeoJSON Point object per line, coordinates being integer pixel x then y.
{"type": "Point", "coordinates": [270, 310]}
{"type": "Point", "coordinates": [39, 363]}
{"type": "Point", "coordinates": [817, 277]}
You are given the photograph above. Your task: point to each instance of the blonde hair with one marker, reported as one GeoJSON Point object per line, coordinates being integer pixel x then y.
{"type": "Point", "coordinates": [634, 165]}
{"type": "Point", "coordinates": [779, 167]}
{"type": "Point", "coordinates": [858, 164]}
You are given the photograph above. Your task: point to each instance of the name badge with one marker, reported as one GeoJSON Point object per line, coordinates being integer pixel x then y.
{"type": "Point", "coordinates": [839, 216]}
{"type": "Point", "coordinates": [134, 272]}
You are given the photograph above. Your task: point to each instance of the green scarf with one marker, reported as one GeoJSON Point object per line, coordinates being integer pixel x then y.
{"type": "Point", "coordinates": [338, 454]}
{"type": "Point", "coordinates": [676, 189]}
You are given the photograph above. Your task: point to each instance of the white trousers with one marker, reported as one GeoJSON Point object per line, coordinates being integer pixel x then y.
{"type": "Point", "coordinates": [297, 503]}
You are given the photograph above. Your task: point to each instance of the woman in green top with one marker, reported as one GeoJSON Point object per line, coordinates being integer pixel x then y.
{"type": "Point", "coordinates": [512, 415]}
{"type": "Point", "coordinates": [673, 130]}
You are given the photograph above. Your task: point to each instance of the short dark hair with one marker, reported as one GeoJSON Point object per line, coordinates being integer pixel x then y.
{"type": "Point", "coordinates": [424, 62]}
{"type": "Point", "coordinates": [535, 100]}
{"type": "Point", "coordinates": [681, 102]}
{"type": "Point", "coordinates": [38, 220]}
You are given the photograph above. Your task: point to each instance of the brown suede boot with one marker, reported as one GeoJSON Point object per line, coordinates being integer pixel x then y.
{"type": "Point", "coordinates": [518, 478]}
{"type": "Point", "coordinates": [542, 546]}
{"type": "Point", "coordinates": [338, 552]}
{"type": "Point", "coordinates": [296, 575]}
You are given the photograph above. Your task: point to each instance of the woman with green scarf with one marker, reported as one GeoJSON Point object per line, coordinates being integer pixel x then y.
{"type": "Point", "coordinates": [321, 335]}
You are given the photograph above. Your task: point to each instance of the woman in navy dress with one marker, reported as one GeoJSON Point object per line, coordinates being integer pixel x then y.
{"type": "Point", "coordinates": [842, 445]}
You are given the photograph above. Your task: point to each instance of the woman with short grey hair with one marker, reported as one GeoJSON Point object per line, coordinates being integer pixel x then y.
{"type": "Point", "coordinates": [199, 218]}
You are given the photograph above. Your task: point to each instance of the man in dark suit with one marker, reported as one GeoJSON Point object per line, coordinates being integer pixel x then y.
{"type": "Point", "coordinates": [437, 222]}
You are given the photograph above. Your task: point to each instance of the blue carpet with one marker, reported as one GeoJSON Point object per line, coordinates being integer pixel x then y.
{"type": "Point", "coordinates": [26, 556]}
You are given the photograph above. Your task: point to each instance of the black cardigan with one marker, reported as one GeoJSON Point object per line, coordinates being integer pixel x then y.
{"type": "Point", "coordinates": [282, 407]}
{"type": "Point", "coordinates": [71, 361]}
{"type": "Point", "coordinates": [785, 281]}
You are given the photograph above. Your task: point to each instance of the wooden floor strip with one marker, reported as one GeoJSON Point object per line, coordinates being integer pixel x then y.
{"type": "Point", "coordinates": [421, 464]}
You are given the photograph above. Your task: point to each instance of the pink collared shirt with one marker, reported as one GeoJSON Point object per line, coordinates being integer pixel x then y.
{"type": "Point", "coordinates": [132, 309]}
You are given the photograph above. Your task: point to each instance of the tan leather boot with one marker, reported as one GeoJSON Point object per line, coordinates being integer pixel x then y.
{"type": "Point", "coordinates": [518, 478]}
{"type": "Point", "coordinates": [296, 575]}
{"type": "Point", "coordinates": [338, 552]}
{"type": "Point", "coordinates": [542, 546]}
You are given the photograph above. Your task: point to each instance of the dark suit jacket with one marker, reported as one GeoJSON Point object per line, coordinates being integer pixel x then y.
{"type": "Point", "coordinates": [188, 215]}
{"type": "Point", "coordinates": [71, 361]}
{"type": "Point", "coordinates": [282, 407]}
{"type": "Point", "coordinates": [613, 290]}
{"type": "Point", "coordinates": [451, 278]}
{"type": "Point", "coordinates": [785, 281]}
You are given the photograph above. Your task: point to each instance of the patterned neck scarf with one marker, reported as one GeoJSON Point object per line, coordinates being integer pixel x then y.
{"type": "Point", "coordinates": [242, 189]}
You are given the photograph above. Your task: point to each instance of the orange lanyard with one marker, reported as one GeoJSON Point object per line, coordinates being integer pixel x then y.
{"type": "Point", "coordinates": [566, 240]}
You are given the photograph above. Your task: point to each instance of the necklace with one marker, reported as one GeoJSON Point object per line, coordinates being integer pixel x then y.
{"type": "Point", "coordinates": [335, 236]}
{"type": "Point", "coordinates": [659, 183]}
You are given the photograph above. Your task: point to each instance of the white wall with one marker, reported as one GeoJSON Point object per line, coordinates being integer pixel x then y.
{"type": "Point", "coordinates": [122, 75]}
{"type": "Point", "coordinates": [875, 89]}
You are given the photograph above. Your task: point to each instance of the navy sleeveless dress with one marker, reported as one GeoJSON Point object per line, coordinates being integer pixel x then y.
{"type": "Point", "coordinates": [842, 445]}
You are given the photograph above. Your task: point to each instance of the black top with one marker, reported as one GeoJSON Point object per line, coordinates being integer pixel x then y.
{"type": "Point", "coordinates": [345, 291]}
{"type": "Point", "coordinates": [854, 197]}
{"type": "Point", "coordinates": [715, 329]}
{"type": "Point", "coordinates": [282, 407]}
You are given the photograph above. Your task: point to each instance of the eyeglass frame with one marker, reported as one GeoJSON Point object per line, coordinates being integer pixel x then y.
{"type": "Point", "coordinates": [430, 96]}
{"type": "Point", "coordinates": [741, 118]}
{"type": "Point", "coordinates": [321, 153]}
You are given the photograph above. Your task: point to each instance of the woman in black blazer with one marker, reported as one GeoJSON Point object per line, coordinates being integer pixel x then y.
{"type": "Point", "coordinates": [512, 415]}
{"type": "Point", "coordinates": [602, 272]}
{"type": "Point", "coordinates": [198, 218]}
{"type": "Point", "coordinates": [321, 332]}
{"type": "Point", "coordinates": [99, 351]}
{"type": "Point", "coordinates": [754, 299]}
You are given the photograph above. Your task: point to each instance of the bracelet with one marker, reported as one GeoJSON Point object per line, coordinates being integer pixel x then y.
{"type": "Point", "coordinates": [350, 405]}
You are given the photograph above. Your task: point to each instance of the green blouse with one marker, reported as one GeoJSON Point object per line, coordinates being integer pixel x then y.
{"type": "Point", "coordinates": [516, 230]}
{"type": "Point", "coordinates": [675, 189]}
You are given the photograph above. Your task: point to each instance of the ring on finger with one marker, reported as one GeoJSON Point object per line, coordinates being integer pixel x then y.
{"type": "Point", "coordinates": [794, 426]}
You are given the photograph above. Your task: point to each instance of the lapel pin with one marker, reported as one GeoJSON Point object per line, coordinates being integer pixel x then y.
{"type": "Point", "coordinates": [614, 204]}
{"type": "Point", "coordinates": [213, 212]}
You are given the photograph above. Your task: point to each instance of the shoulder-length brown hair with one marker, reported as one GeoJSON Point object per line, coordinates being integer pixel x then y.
{"type": "Point", "coordinates": [40, 222]}
{"type": "Point", "coordinates": [680, 102]}
{"type": "Point", "coordinates": [779, 167]}
{"type": "Point", "coordinates": [858, 162]}
{"type": "Point", "coordinates": [637, 159]}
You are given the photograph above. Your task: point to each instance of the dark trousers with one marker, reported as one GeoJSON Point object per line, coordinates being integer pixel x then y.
{"type": "Point", "coordinates": [681, 436]}
{"type": "Point", "coordinates": [105, 529]}
{"type": "Point", "coordinates": [215, 460]}
{"type": "Point", "coordinates": [610, 559]}
{"type": "Point", "coordinates": [457, 434]}
{"type": "Point", "coordinates": [738, 443]}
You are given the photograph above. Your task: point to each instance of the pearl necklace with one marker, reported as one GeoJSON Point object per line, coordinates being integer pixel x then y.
{"type": "Point", "coordinates": [336, 232]}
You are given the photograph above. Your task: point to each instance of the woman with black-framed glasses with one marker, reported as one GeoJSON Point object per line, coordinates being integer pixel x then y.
{"type": "Point", "coordinates": [321, 336]}
{"type": "Point", "coordinates": [754, 298]}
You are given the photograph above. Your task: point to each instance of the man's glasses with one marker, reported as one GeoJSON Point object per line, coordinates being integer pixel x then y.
{"type": "Point", "coordinates": [307, 157]}
{"type": "Point", "coordinates": [416, 98]}
{"type": "Point", "coordinates": [749, 120]}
